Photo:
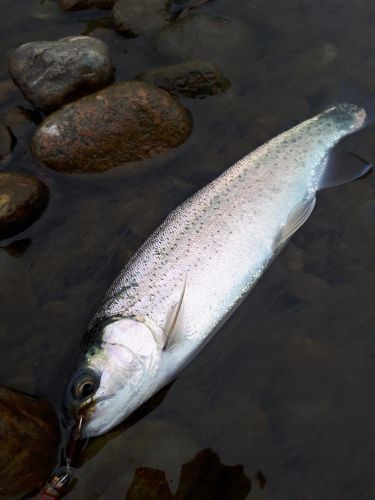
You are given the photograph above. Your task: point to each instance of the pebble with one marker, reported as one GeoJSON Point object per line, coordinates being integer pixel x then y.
{"type": "Point", "coordinates": [125, 122]}
{"type": "Point", "coordinates": [53, 73]}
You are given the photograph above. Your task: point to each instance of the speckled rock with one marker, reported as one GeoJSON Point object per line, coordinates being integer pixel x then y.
{"type": "Point", "coordinates": [133, 17]}
{"type": "Point", "coordinates": [50, 74]}
{"type": "Point", "coordinates": [29, 433]}
{"type": "Point", "coordinates": [22, 200]}
{"type": "Point", "coordinates": [125, 122]}
{"type": "Point", "coordinates": [86, 4]}
{"type": "Point", "coordinates": [190, 79]}
{"type": "Point", "coordinates": [199, 36]}
{"type": "Point", "coordinates": [5, 142]}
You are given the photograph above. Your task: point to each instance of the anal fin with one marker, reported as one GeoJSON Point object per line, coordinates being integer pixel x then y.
{"type": "Point", "coordinates": [341, 168]}
{"type": "Point", "coordinates": [297, 217]}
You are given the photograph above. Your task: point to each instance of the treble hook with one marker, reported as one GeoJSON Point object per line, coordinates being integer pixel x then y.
{"type": "Point", "coordinates": [58, 482]}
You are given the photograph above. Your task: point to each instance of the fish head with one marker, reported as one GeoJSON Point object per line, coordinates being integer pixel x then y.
{"type": "Point", "coordinates": [114, 377]}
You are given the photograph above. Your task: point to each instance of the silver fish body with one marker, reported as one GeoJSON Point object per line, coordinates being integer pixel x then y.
{"type": "Point", "coordinates": [201, 262]}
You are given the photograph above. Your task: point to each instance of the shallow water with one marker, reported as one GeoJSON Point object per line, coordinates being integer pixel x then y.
{"type": "Point", "coordinates": [286, 388]}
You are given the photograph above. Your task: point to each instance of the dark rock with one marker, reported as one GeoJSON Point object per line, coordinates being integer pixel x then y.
{"type": "Point", "coordinates": [5, 142]}
{"type": "Point", "coordinates": [199, 36]}
{"type": "Point", "coordinates": [133, 17]}
{"type": "Point", "coordinates": [190, 79]}
{"type": "Point", "coordinates": [22, 200]}
{"type": "Point", "coordinates": [86, 4]}
{"type": "Point", "coordinates": [50, 74]}
{"type": "Point", "coordinates": [29, 433]}
{"type": "Point", "coordinates": [124, 122]}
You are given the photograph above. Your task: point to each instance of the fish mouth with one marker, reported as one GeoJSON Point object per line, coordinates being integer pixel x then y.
{"type": "Point", "coordinates": [88, 406]}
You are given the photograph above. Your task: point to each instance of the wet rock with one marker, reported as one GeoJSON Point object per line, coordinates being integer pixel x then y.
{"type": "Point", "coordinates": [190, 79]}
{"type": "Point", "coordinates": [50, 74]}
{"type": "Point", "coordinates": [5, 142]}
{"type": "Point", "coordinates": [22, 200]}
{"type": "Point", "coordinates": [133, 17]}
{"type": "Point", "coordinates": [125, 122]}
{"type": "Point", "coordinates": [199, 36]}
{"type": "Point", "coordinates": [86, 4]}
{"type": "Point", "coordinates": [29, 433]}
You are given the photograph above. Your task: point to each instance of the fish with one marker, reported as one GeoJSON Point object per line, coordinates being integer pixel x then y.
{"type": "Point", "coordinates": [199, 265]}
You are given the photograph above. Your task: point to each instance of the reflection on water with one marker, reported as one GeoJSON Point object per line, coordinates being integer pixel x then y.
{"type": "Point", "coordinates": [287, 386]}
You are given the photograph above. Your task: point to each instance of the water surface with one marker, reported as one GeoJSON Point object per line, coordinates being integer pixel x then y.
{"type": "Point", "coordinates": [286, 388]}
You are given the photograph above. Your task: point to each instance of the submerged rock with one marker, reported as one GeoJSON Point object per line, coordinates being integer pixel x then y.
{"type": "Point", "coordinates": [22, 200]}
{"type": "Point", "coordinates": [199, 36]}
{"type": "Point", "coordinates": [5, 142]}
{"type": "Point", "coordinates": [124, 122]}
{"type": "Point", "coordinates": [22, 122]}
{"type": "Point", "coordinates": [203, 478]}
{"type": "Point", "coordinates": [86, 4]}
{"type": "Point", "coordinates": [190, 79]}
{"type": "Point", "coordinates": [50, 74]}
{"type": "Point", "coordinates": [133, 17]}
{"type": "Point", "coordinates": [29, 433]}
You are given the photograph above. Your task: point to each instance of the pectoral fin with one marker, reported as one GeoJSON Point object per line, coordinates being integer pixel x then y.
{"type": "Point", "coordinates": [173, 317]}
{"type": "Point", "coordinates": [342, 168]}
{"type": "Point", "coordinates": [296, 219]}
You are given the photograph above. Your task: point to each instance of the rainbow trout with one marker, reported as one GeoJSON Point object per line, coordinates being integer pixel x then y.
{"type": "Point", "coordinates": [193, 271]}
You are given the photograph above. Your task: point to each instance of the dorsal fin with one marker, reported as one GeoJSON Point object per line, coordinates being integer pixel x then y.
{"type": "Point", "coordinates": [297, 217]}
{"type": "Point", "coordinates": [341, 168]}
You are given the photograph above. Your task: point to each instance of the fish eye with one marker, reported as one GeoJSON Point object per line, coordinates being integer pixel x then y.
{"type": "Point", "coordinates": [85, 387]}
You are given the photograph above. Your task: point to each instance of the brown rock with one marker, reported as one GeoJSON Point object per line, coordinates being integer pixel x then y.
{"type": "Point", "coordinates": [22, 200]}
{"type": "Point", "coordinates": [190, 79]}
{"type": "Point", "coordinates": [86, 4]}
{"type": "Point", "coordinates": [29, 434]}
{"type": "Point", "coordinates": [124, 122]}
{"type": "Point", "coordinates": [133, 17]}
